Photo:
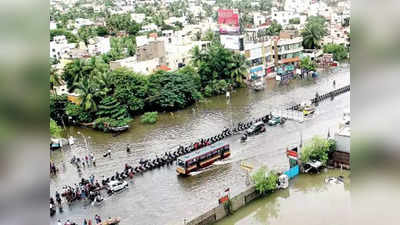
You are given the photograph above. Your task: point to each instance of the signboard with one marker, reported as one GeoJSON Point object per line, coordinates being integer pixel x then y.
{"type": "Point", "coordinates": [255, 53]}
{"type": "Point", "coordinates": [223, 199]}
{"type": "Point", "coordinates": [291, 154]}
{"type": "Point", "coordinates": [257, 71]}
{"type": "Point", "coordinates": [230, 41]}
{"type": "Point", "coordinates": [228, 21]}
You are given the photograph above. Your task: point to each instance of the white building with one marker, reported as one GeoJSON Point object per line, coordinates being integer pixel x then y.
{"type": "Point", "coordinates": [131, 63]}
{"type": "Point", "coordinates": [283, 17]}
{"type": "Point", "coordinates": [99, 45]}
{"type": "Point", "coordinates": [150, 27]}
{"type": "Point", "coordinates": [53, 25]}
{"type": "Point", "coordinates": [138, 17]}
{"type": "Point", "coordinates": [60, 48]}
{"type": "Point", "coordinates": [83, 22]}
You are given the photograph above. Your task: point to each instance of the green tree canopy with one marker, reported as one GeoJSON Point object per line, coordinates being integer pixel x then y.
{"type": "Point", "coordinates": [313, 32]}
{"type": "Point", "coordinates": [339, 51]}
{"type": "Point", "coordinates": [316, 149]}
{"type": "Point", "coordinates": [307, 64]}
{"type": "Point", "coordinates": [264, 182]}
{"type": "Point", "coordinates": [130, 89]}
{"type": "Point", "coordinates": [169, 91]}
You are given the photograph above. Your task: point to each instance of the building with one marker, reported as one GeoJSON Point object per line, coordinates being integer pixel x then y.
{"type": "Point", "coordinates": [138, 17]}
{"type": "Point", "coordinates": [98, 45]}
{"type": "Point", "coordinates": [131, 63]}
{"type": "Point", "coordinates": [288, 50]}
{"type": "Point", "coordinates": [341, 157]}
{"type": "Point", "coordinates": [151, 50]}
{"type": "Point", "coordinates": [60, 48]}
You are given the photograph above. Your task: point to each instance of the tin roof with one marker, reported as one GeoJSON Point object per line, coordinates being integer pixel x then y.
{"type": "Point", "coordinates": [201, 151]}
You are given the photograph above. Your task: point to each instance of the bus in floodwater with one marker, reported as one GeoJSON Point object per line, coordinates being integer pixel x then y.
{"type": "Point", "coordinates": [202, 158]}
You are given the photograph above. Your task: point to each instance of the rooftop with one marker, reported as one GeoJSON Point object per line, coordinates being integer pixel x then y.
{"type": "Point", "coordinates": [202, 151]}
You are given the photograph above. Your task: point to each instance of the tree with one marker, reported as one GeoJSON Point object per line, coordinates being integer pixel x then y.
{"type": "Point", "coordinates": [265, 183]}
{"type": "Point", "coordinates": [130, 89]}
{"type": "Point", "coordinates": [109, 107]}
{"type": "Point", "coordinates": [170, 91]}
{"type": "Point", "coordinates": [55, 130]}
{"type": "Point", "coordinates": [85, 33]}
{"type": "Point", "coordinates": [209, 35]}
{"type": "Point", "coordinates": [55, 78]}
{"type": "Point", "coordinates": [316, 149]}
{"type": "Point", "coordinates": [339, 51]}
{"type": "Point", "coordinates": [58, 104]}
{"type": "Point", "coordinates": [218, 63]}
{"type": "Point", "coordinates": [68, 35]}
{"type": "Point", "coordinates": [190, 18]}
{"type": "Point", "coordinates": [87, 90]}
{"type": "Point", "coordinates": [313, 32]}
{"type": "Point", "coordinates": [307, 64]}
{"type": "Point", "coordinates": [294, 20]}
{"type": "Point", "coordinates": [265, 5]}
{"type": "Point", "coordinates": [101, 31]}
{"type": "Point", "coordinates": [274, 29]}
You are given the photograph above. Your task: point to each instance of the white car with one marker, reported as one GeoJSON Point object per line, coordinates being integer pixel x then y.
{"type": "Point", "coordinates": [116, 185]}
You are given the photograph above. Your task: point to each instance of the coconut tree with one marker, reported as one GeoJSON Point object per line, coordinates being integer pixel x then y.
{"type": "Point", "coordinates": [312, 34]}
{"type": "Point", "coordinates": [87, 91]}
{"type": "Point", "coordinates": [55, 79]}
{"type": "Point", "coordinates": [239, 68]}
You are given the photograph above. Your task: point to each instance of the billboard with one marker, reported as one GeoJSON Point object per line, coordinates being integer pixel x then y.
{"type": "Point", "coordinates": [230, 41]}
{"type": "Point", "coordinates": [228, 21]}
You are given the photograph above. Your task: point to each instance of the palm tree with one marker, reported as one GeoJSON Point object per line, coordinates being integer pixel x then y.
{"type": "Point", "coordinates": [239, 68]}
{"type": "Point", "coordinates": [87, 91]}
{"type": "Point", "coordinates": [55, 79]}
{"type": "Point", "coordinates": [312, 35]}
{"type": "Point", "coordinates": [197, 56]}
{"type": "Point", "coordinates": [103, 80]}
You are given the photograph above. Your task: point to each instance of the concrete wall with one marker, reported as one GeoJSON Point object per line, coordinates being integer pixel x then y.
{"type": "Point", "coordinates": [219, 212]}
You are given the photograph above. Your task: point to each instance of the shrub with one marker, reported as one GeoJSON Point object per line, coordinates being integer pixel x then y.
{"type": "Point", "coordinates": [316, 149]}
{"type": "Point", "coordinates": [265, 183]}
{"type": "Point", "coordinates": [339, 51]}
{"type": "Point", "coordinates": [55, 130]}
{"type": "Point", "coordinates": [149, 117]}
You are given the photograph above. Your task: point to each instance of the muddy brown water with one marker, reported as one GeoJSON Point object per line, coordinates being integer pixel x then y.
{"type": "Point", "coordinates": [160, 196]}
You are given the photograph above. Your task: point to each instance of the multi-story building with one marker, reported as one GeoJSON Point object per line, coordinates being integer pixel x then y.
{"type": "Point", "coordinates": [60, 48]}
{"type": "Point", "coordinates": [288, 50]}
{"type": "Point", "coordinates": [99, 45]}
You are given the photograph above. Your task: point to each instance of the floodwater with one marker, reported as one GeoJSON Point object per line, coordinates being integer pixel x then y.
{"type": "Point", "coordinates": [308, 200]}
{"type": "Point", "coordinates": [160, 196]}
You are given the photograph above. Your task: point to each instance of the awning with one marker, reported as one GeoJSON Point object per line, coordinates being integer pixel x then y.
{"type": "Point", "coordinates": [290, 60]}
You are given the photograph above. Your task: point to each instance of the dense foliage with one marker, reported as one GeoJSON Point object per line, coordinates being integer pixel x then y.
{"type": "Point", "coordinates": [317, 149]}
{"type": "Point", "coordinates": [294, 20]}
{"type": "Point", "coordinates": [71, 38]}
{"type": "Point", "coordinates": [307, 64]}
{"type": "Point", "coordinates": [313, 32]}
{"type": "Point", "coordinates": [58, 104]}
{"type": "Point", "coordinates": [264, 182]}
{"type": "Point", "coordinates": [339, 51]}
{"type": "Point", "coordinates": [149, 117]}
{"type": "Point", "coordinates": [217, 63]}
{"type": "Point", "coordinates": [55, 130]}
{"type": "Point", "coordinates": [108, 98]}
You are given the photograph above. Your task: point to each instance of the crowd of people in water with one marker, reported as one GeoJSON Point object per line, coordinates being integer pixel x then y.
{"type": "Point", "coordinates": [90, 188]}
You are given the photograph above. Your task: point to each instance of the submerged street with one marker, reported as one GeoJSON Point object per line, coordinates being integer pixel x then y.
{"type": "Point", "coordinates": [160, 196]}
{"type": "Point", "coordinates": [308, 200]}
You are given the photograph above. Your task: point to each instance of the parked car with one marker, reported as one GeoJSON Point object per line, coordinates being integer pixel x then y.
{"type": "Point", "coordinates": [256, 128]}
{"type": "Point", "coordinates": [276, 120]}
{"type": "Point", "coordinates": [117, 185]}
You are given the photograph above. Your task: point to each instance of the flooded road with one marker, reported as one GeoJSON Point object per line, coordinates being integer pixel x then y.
{"type": "Point", "coordinates": [308, 200]}
{"type": "Point", "coordinates": [161, 197]}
